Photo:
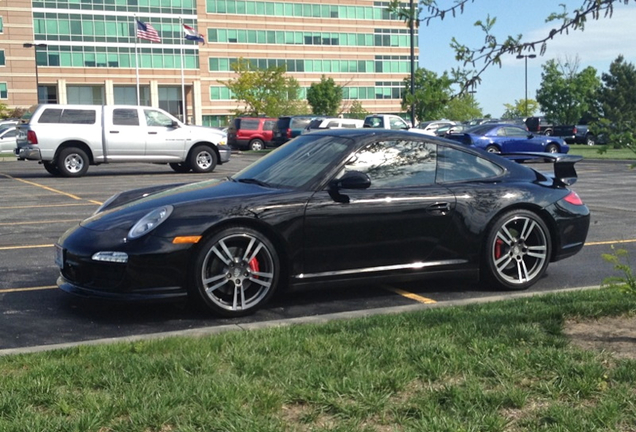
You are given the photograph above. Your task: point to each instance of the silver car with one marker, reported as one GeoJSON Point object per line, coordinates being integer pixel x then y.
{"type": "Point", "coordinates": [7, 140]}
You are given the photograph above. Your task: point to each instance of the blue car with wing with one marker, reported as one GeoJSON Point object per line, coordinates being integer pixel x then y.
{"type": "Point", "coordinates": [508, 138]}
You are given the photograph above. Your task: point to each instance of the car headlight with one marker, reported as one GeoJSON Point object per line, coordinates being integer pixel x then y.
{"type": "Point", "coordinates": [150, 221]}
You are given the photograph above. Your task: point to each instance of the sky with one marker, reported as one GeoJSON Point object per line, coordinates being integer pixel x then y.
{"type": "Point", "coordinates": [598, 45]}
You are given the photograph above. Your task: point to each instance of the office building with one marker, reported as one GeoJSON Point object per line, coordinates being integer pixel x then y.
{"type": "Point", "coordinates": [89, 52]}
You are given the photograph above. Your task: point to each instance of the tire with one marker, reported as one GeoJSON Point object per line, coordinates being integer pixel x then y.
{"type": "Point", "coordinates": [257, 144]}
{"type": "Point", "coordinates": [180, 167]}
{"type": "Point", "coordinates": [548, 132]}
{"type": "Point", "coordinates": [72, 162]}
{"type": "Point", "coordinates": [552, 148]}
{"type": "Point", "coordinates": [51, 168]}
{"type": "Point", "coordinates": [202, 159]}
{"type": "Point", "coordinates": [517, 251]}
{"type": "Point", "coordinates": [236, 271]}
{"type": "Point", "coordinates": [493, 149]}
{"type": "Point", "coordinates": [590, 139]}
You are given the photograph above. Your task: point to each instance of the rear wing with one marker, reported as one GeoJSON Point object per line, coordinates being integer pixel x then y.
{"type": "Point", "coordinates": [564, 171]}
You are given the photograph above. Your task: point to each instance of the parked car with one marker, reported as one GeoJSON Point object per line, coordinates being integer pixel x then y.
{"type": "Point", "coordinates": [431, 127]}
{"type": "Point", "coordinates": [66, 139]}
{"type": "Point", "coordinates": [335, 206]}
{"type": "Point", "coordinates": [333, 123]}
{"type": "Point", "coordinates": [253, 133]}
{"type": "Point", "coordinates": [455, 128]}
{"type": "Point", "coordinates": [576, 134]}
{"type": "Point", "coordinates": [7, 139]}
{"type": "Point", "coordinates": [508, 138]}
{"type": "Point", "coordinates": [288, 127]}
{"type": "Point", "coordinates": [385, 121]}
{"type": "Point", "coordinates": [539, 125]}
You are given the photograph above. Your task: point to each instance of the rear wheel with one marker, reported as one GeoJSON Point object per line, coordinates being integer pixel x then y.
{"type": "Point", "coordinates": [202, 159]}
{"type": "Point", "coordinates": [72, 162]}
{"type": "Point", "coordinates": [180, 167]}
{"type": "Point", "coordinates": [517, 250]}
{"type": "Point", "coordinates": [590, 139]}
{"type": "Point", "coordinates": [257, 144]}
{"type": "Point", "coordinates": [492, 149]}
{"type": "Point", "coordinates": [236, 271]}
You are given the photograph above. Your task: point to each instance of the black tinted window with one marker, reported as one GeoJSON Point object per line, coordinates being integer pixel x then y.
{"type": "Point", "coordinates": [78, 116]}
{"type": "Point", "coordinates": [249, 124]}
{"type": "Point", "coordinates": [456, 165]}
{"type": "Point", "coordinates": [126, 117]}
{"type": "Point", "coordinates": [269, 125]}
{"type": "Point", "coordinates": [51, 115]}
{"type": "Point", "coordinates": [299, 123]}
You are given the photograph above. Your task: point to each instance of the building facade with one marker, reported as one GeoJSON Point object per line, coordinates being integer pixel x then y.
{"type": "Point", "coordinates": [89, 52]}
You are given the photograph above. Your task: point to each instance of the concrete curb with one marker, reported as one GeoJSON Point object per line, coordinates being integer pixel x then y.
{"type": "Point", "coordinates": [317, 319]}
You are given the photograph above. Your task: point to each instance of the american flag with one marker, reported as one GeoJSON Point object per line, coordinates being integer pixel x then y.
{"type": "Point", "coordinates": [148, 32]}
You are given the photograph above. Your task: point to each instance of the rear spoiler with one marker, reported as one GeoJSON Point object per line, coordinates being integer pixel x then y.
{"type": "Point", "coordinates": [564, 172]}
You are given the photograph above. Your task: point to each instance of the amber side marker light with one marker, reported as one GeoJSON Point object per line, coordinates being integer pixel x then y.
{"type": "Point", "coordinates": [186, 239]}
{"type": "Point", "coordinates": [573, 198]}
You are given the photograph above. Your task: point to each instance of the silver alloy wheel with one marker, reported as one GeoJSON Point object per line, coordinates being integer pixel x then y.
{"type": "Point", "coordinates": [74, 163]}
{"type": "Point", "coordinates": [256, 145]}
{"type": "Point", "coordinates": [204, 160]}
{"type": "Point", "coordinates": [519, 252]}
{"type": "Point", "coordinates": [238, 272]}
{"type": "Point", "coordinates": [492, 149]}
{"type": "Point", "coordinates": [552, 148]}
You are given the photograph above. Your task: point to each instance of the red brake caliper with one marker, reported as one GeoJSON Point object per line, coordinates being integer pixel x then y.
{"type": "Point", "coordinates": [254, 265]}
{"type": "Point", "coordinates": [498, 244]}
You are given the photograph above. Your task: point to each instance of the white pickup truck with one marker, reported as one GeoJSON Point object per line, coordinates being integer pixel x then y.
{"type": "Point", "coordinates": [389, 121]}
{"type": "Point", "coordinates": [66, 139]}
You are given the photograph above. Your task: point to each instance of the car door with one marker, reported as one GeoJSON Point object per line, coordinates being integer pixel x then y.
{"type": "Point", "coordinates": [124, 134]}
{"type": "Point", "coordinates": [165, 140]}
{"type": "Point", "coordinates": [396, 223]}
{"type": "Point", "coordinates": [8, 140]}
{"type": "Point", "coordinates": [516, 139]}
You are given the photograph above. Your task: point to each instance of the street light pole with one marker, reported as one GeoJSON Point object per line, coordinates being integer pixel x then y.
{"type": "Point", "coordinates": [37, 80]}
{"type": "Point", "coordinates": [412, 31]}
{"type": "Point", "coordinates": [526, 57]}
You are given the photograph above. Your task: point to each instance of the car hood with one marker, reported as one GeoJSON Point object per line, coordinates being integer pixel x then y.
{"type": "Point", "coordinates": [179, 196]}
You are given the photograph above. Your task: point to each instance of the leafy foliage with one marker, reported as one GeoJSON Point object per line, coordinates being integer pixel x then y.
{"type": "Point", "coordinates": [619, 258]}
{"type": "Point", "coordinates": [264, 92]}
{"type": "Point", "coordinates": [357, 111]}
{"type": "Point", "coordinates": [325, 97]}
{"type": "Point", "coordinates": [432, 93]}
{"type": "Point", "coordinates": [462, 108]}
{"type": "Point", "coordinates": [521, 108]}
{"type": "Point", "coordinates": [566, 94]}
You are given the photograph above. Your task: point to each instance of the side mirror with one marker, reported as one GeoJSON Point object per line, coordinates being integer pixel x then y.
{"type": "Point", "coordinates": [175, 124]}
{"type": "Point", "coordinates": [350, 180]}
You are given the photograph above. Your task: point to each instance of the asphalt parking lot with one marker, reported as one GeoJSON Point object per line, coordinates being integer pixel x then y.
{"type": "Point", "coordinates": [36, 208]}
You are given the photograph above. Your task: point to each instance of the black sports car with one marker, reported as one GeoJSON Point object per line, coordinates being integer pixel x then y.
{"type": "Point", "coordinates": [331, 206]}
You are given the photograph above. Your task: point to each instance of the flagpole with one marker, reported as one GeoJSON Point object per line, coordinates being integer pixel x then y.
{"type": "Point", "coordinates": [137, 62]}
{"type": "Point", "coordinates": [183, 101]}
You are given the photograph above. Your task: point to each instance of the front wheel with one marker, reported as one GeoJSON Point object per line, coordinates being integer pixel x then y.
{"type": "Point", "coordinates": [236, 271]}
{"type": "Point", "coordinates": [202, 159]}
{"type": "Point", "coordinates": [72, 162]}
{"type": "Point", "coordinates": [552, 148]}
{"type": "Point", "coordinates": [517, 250]}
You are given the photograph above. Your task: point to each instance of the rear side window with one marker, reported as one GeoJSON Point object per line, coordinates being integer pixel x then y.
{"type": "Point", "coordinates": [249, 124]}
{"type": "Point", "coordinates": [68, 116]}
{"type": "Point", "coordinates": [300, 123]}
{"type": "Point", "coordinates": [283, 123]}
{"type": "Point", "coordinates": [269, 125]}
{"type": "Point", "coordinates": [456, 165]}
{"type": "Point", "coordinates": [126, 117]}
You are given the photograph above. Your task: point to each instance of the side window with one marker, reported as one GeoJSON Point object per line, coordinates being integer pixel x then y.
{"type": "Point", "coordinates": [50, 115]}
{"type": "Point", "coordinates": [399, 163]}
{"type": "Point", "coordinates": [398, 123]}
{"type": "Point", "coordinates": [157, 118]}
{"type": "Point", "coordinates": [10, 134]}
{"type": "Point", "coordinates": [3, 91]}
{"type": "Point", "coordinates": [125, 117]}
{"type": "Point", "coordinates": [333, 124]}
{"type": "Point", "coordinates": [78, 116]}
{"type": "Point", "coordinates": [269, 125]}
{"type": "Point", "coordinates": [2, 61]}
{"type": "Point", "coordinates": [249, 124]}
{"type": "Point", "coordinates": [501, 132]}
{"type": "Point", "coordinates": [515, 132]}
{"type": "Point", "coordinates": [455, 165]}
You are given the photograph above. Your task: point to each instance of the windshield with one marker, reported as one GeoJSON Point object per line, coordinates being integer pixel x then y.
{"type": "Point", "coordinates": [297, 163]}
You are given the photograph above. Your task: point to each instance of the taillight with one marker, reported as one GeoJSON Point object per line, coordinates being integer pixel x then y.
{"type": "Point", "coordinates": [289, 133]}
{"type": "Point", "coordinates": [573, 198]}
{"type": "Point", "coordinates": [574, 131]}
{"type": "Point", "coordinates": [32, 138]}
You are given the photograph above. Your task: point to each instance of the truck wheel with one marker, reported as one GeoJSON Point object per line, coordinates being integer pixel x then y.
{"type": "Point", "coordinates": [590, 139]}
{"type": "Point", "coordinates": [72, 162]}
{"type": "Point", "coordinates": [180, 167]}
{"type": "Point", "coordinates": [257, 144]}
{"type": "Point", "coordinates": [202, 159]}
{"type": "Point", "coordinates": [51, 168]}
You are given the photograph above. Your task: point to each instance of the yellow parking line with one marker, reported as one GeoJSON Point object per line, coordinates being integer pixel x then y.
{"type": "Point", "coordinates": [411, 296]}
{"type": "Point", "coordinates": [75, 197]}
{"type": "Point", "coordinates": [10, 290]}
{"type": "Point", "coordinates": [609, 242]}
{"type": "Point", "coordinates": [25, 247]}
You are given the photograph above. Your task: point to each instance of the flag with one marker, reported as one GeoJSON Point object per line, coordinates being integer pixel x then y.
{"type": "Point", "coordinates": [191, 34]}
{"type": "Point", "coordinates": [148, 32]}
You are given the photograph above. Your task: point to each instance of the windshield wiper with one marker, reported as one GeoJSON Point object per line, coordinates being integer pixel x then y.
{"type": "Point", "coordinates": [252, 181]}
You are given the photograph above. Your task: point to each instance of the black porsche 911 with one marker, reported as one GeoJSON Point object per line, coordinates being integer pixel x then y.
{"type": "Point", "coordinates": [330, 207]}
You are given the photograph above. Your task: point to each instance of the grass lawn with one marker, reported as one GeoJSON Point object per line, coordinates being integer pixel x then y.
{"type": "Point", "coordinates": [504, 366]}
{"type": "Point", "coordinates": [591, 152]}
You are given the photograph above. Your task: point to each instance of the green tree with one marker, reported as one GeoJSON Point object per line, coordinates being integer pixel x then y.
{"type": "Point", "coordinates": [264, 92]}
{"type": "Point", "coordinates": [462, 108]}
{"type": "Point", "coordinates": [565, 93]}
{"type": "Point", "coordinates": [431, 96]}
{"type": "Point", "coordinates": [521, 108]}
{"type": "Point", "coordinates": [325, 97]}
{"type": "Point", "coordinates": [617, 98]}
{"type": "Point", "coordinates": [490, 52]}
{"type": "Point", "coordinates": [357, 111]}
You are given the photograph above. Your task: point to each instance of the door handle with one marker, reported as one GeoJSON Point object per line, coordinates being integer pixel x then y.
{"type": "Point", "coordinates": [152, 133]}
{"type": "Point", "coordinates": [442, 208]}
{"type": "Point", "coordinates": [114, 132]}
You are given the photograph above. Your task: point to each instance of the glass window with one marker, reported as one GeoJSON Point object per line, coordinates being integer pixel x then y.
{"type": "Point", "coordinates": [1, 25]}
{"type": "Point", "coordinates": [2, 61]}
{"type": "Point", "coordinates": [457, 165]}
{"type": "Point", "coordinates": [396, 163]}
{"type": "Point", "coordinates": [3, 91]}
{"type": "Point", "coordinates": [125, 117]}
{"type": "Point", "coordinates": [157, 118]}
